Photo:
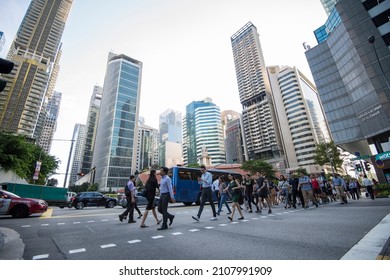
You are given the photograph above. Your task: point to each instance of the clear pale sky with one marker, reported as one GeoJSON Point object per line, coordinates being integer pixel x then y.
{"type": "Point", "coordinates": [184, 46]}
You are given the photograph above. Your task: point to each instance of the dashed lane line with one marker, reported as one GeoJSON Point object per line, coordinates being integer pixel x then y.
{"type": "Point", "coordinates": [75, 251]}
{"type": "Point", "coordinates": [157, 236]}
{"type": "Point", "coordinates": [40, 257]}
{"type": "Point", "coordinates": [134, 241]}
{"type": "Point", "coordinates": [176, 233]}
{"type": "Point", "coordinates": [107, 246]}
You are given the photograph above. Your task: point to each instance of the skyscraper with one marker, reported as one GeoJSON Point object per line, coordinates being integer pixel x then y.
{"type": "Point", "coordinates": [202, 132]}
{"type": "Point", "coordinates": [34, 52]}
{"type": "Point", "coordinates": [77, 155]}
{"type": "Point", "coordinates": [260, 131]}
{"type": "Point", "coordinates": [90, 135]}
{"type": "Point", "coordinates": [52, 111]}
{"type": "Point", "coordinates": [328, 5]}
{"type": "Point", "coordinates": [300, 115]}
{"type": "Point", "coordinates": [352, 74]}
{"type": "Point", "coordinates": [234, 144]}
{"type": "Point", "coordinates": [147, 147]}
{"type": "Point", "coordinates": [171, 138]}
{"type": "Point", "coordinates": [115, 151]}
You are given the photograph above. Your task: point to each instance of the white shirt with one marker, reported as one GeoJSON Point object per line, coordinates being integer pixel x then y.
{"type": "Point", "coordinates": [215, 186]}
{"type": "Point", "coordinates": [367, 182]}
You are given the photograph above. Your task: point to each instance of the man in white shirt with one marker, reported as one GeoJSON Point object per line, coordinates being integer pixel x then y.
{"type": "Point", "coordinates": [368, 184]}
{"type": "Point", "coordinates": [206, 181]}
{"type": "Point", "coordinates": [215, 188]}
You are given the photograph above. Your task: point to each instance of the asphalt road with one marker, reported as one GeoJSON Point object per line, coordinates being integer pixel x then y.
{"type": "Point", "coordinates": [324, 233]}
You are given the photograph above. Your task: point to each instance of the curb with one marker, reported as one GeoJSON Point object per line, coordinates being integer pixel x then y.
{"type": "Point", "coordinates": [373, 244]}
{"type": "Point", "coordinates": [12, 246]}
{"type": "Point", "coordinates": [385, 253]}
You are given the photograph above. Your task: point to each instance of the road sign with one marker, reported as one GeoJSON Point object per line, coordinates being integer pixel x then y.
{"type": "Point", "coordinates": [359, 158]}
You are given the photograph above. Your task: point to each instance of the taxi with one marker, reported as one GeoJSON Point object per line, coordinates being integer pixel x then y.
{"type": "Point", "coordinates": [18, 207]}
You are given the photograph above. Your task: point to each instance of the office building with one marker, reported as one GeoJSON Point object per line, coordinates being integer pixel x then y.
{"type": "Point", "coordinates": [170, 138]}
{"type": "Point", "coordinates": [147, 147]}
{"type": "Point", "coordinates": [34, 51]}
{"type": "Point", "coordinates": [259, 124]}
{"type": "Point", "coordinates": [115, 151]}
{"type": "Point", "coordinates": [300, 117]}
{"type": "Point", "coordinates": [77, 153]}
{"type": "Point", "coordinates": [202, 133]}
{"type": "Point", "coordinates": [234, 144]}
{"type": "Point", "coordinates": [90, 135]}
{"type": "Point", "coordinates": [328, 5]}
{"type": "Point", "coordinates": [351, 69]}
{"type": "Point", "coordinates": [49, 127]}
{"type": "Point", "coordinates": [2, 40]}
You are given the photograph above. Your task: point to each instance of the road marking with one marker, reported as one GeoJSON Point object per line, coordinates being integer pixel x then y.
{"type": "Point", "coordinates": [60, 224]}
{"type": "Point", "coordinates": [39, 257]}
{"type": "Point", "coordinates": [176, 233]}
{"type": "Point", "coordinates": [255, 218]}
{"type": "Point", "coordinates": [105, 220]}
{"type": "Point", "coordinates": [222, 225]}
{"type": "Point", "coordinates": [47, 214]}
{"type": "Point", "coordinates": [245, 221]}
{"type": "Point", "coordinates": [209, 227]}
{"type": "Point", "coordinates": [27, 226]}
{"type": "Point", "coordinates": [77, 251]}
{"type": "Point", "coordinates": [234, 222]}
{"type": "Point", "coordinates": [157, 236]}
{"type": "Point", "coordinates": [264, 217]}
{"type": "Point", "coordinates": [76, 222]}
{"type": "Point", "coordinates": [134, 241]}
{"type": "Point", "coordinates": [44, 225]}
{"type": "Point", "coordinates": [90, 221]}
{"type": "Point", "coordinates": [194, 230]}
{"type": "Point", "coordinates": [107, 246]}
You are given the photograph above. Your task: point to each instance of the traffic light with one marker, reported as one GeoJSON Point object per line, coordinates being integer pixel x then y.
{"type": "Point", "coordinates": [81, 174]}
{"type": "Point", "coordinates": [367, 166]}
{"type": "Point", "coordinates": [358, 168]}
{"type": "Point", "coordinates": [6, 67]}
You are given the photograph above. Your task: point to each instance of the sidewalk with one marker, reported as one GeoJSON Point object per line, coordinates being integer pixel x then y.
{"type": "Point", "coordinates": [11, 245]}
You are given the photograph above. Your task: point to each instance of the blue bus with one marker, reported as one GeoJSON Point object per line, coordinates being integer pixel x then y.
{"type": "Point", "coordinates": [185, 184]}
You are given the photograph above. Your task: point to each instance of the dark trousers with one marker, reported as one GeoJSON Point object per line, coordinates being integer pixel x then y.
{"type": "Point", "coordinates": [217, 196]}
{"type": "Point", "coordinates": [354, 193]}
{"type": "Point", "coordinates": [370, 191]}
{"type": "Point", "coordinates": [206, 196]}
{"type": "Point", "coordinates": [249, 197]}
{"type": "Point", "coordinates": [295, 194]}
{"type": "Point", "coordinates": [129, 209]}
{"type": "Point", "coordinates": [165, 198]}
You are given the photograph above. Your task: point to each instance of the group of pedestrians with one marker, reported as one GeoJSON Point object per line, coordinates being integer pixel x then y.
{"type": "Point", "coordinates": [166, 196]}
{"type": "Point", "coordinates": [260, 192]}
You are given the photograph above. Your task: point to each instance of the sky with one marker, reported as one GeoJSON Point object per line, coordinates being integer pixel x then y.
{"type": "Point", "coordinates": [184, 46]}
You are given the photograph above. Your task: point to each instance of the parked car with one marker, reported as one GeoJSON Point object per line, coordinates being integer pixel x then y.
{"type": "Point", "coordinates": [85, 199]}
{"type": "Point", "coordinates": [20, 207]}
{"type": "Point", "coordinates": [141, 200]}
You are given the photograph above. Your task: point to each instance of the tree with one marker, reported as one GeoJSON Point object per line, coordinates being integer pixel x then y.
{"type": "Point", "coordinates": [328, 153]}
{"type": "Point", "coordinates": [19, 155]}
{"type": "Point", "coordinates": [259, 165]}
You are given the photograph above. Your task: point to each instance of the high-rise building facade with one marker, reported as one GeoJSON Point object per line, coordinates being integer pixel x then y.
{"type": "Point", "coordinates": [90, 135]}
{"type": "Point", "coordinates": [115, 151]}
{"type": "Point", "coordinates": [202, 131]}
{"type": "Point", "coordinates": [77, 155]}
{"type": "Point", "coordinates": [329, 5]}
{"type": "Point", "coordinates": [52, 111]}
{"type": "Point", "coordinates": [2, 40]}
{"type": "Point", "coordinates": [300, 116]}
{"type": "Point", "coordinates": [259, 124]}
{"type": "Point", "coordinates": [34, 52]}
{"type": "Point", "coordinates": [171, 138]}
{"type": "Point", "coordinates": [234, 144]}
{"type": "Point", "coordinates": [147, 147]}
{"type": "Point", "coordinates": [351, 70]}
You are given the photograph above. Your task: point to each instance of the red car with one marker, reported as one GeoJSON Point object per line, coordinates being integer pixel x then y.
{"type": "Point", "coordinates": [18, 207]}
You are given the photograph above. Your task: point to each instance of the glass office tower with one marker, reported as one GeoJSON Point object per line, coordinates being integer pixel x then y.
{"type": "Point", "coordinates": [115, 151]}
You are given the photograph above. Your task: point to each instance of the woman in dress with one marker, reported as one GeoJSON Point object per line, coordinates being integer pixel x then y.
{"type": "Point", "coordinates": [235, 190]}
{"type": "Point", "coordinates": [151, 187]}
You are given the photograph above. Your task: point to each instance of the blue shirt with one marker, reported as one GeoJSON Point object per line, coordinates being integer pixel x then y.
{"type": "Point", "coordinates": [337, 181]}
{"type": "Point", "coordinates": [166, 185]}
{"type": "Point", "coordinates": [305, 180]}
{"type": "Point", "coordinates": [207, 180]}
